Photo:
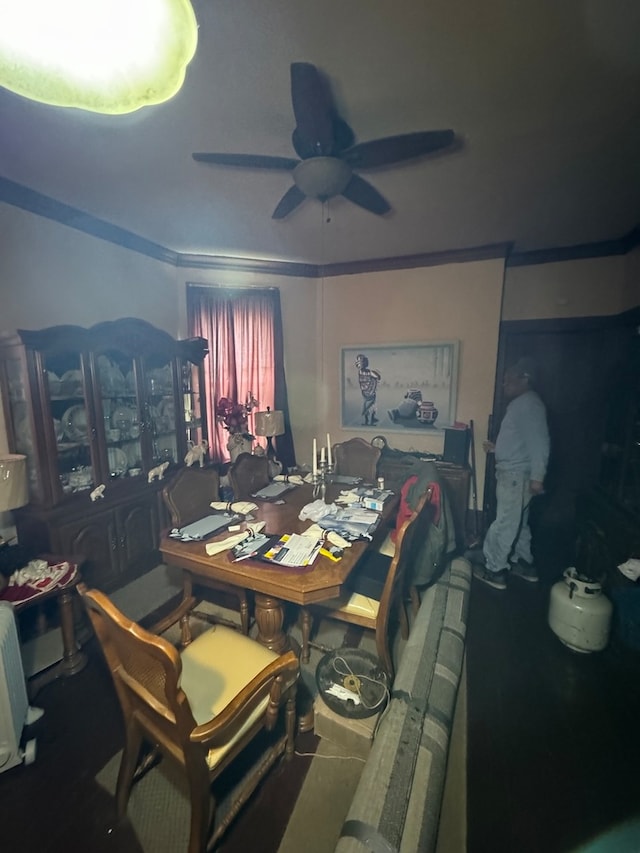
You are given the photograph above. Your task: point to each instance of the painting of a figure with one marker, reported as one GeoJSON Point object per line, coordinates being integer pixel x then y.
{"type": "Point", "coordinates": [399, 387]}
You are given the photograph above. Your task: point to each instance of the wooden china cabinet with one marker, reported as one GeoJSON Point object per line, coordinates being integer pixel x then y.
{"type": "Point", "coordinates": [100, 406]}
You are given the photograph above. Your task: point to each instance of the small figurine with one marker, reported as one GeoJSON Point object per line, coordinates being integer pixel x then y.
{"type": "Point", "coordinates": [196, 453]}
{"type": "Point", "coordinates": [157, 473]}
{"type": "Point", "coordinates": [97, 493]}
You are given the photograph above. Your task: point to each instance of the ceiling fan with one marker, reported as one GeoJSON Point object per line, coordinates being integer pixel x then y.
{"type": "Point", "coordinates": [324, 142]}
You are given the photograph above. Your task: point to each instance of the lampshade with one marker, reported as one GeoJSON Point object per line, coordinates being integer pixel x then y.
{"type": "Point", "coordinates": [269, 423]}
{"type": "Point", "coordinates": [14, 490]}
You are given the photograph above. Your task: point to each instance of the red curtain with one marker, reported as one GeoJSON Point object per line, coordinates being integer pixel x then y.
{"type": "Point", "coordinates": [244, 331]}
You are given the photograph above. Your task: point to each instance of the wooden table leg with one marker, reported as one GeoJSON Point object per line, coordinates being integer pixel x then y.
{"type": "Point", "coordinates": [269, 614]}
{"type": "Point", "coordinates": [73, 659]}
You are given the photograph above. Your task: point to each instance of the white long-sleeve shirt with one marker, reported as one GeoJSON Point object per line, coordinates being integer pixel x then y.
{"type": "Point", "coordinates": [523, 440]}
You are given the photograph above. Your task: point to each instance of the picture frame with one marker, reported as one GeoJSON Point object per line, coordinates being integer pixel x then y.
{"type": "Point", "coordinates": [404, 387]}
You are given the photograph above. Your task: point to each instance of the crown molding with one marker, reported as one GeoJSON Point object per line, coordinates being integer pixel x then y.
{"type": "Point", "coordinates": [18, 195]}
{"type": "Point", "coordinates": [621, 246]}
{"type": "Point", "coordinates": [25, 198]}
{"type": "Point", "coordinates": [427, 259]}
{"type": "Point", "coordinates": [254, 265]}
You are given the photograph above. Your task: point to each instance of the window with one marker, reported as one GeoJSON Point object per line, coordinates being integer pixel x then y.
{"type": "Point", "coordinates": [244, 330]}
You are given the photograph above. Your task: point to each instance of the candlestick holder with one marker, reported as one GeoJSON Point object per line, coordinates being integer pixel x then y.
{"type": "Point", "coordinates": [319, 480]}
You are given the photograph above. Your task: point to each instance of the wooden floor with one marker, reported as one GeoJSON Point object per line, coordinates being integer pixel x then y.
{"type": "Point", "coordinates": [554, 735]}
{"type": "Point", "coordinates": [553, 740]}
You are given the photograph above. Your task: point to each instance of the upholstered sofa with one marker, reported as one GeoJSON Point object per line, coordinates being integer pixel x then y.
{"type": "Point", "coordinates": [396, 807]}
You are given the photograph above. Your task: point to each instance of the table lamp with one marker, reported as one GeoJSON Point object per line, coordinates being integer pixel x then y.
{"type": "Point", "coordinates": [14, 491]}
{"type": "Point", "coordinates": [269, 424]}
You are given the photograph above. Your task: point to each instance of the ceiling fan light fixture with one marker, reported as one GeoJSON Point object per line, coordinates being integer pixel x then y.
{"type": "Point", "coordinates": [322, 177]}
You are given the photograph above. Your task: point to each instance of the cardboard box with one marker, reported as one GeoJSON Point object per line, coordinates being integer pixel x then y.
{"type": "Point", "coordinates": [354, 736]}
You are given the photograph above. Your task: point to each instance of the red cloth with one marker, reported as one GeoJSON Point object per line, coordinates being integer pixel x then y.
{"type": "Point", "coordinates": [16, 594]}
{"type": "Point", "coordinates": [405, 511]}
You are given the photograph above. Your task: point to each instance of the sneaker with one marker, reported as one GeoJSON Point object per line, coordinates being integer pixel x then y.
{"type": "Point", "coordinates": [497, 580]}
{"type": "Point", "coordinates": [526, 571]}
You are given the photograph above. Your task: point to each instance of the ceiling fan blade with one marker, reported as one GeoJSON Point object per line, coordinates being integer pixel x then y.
{"type": "Point", "coordinates": [393, 149]}
{"type": "Point", "coordinates": [251, 161]}
{"type": "Point", "coordinates": [365, 195]}
{"type": "Point", "coordinates": [313, 109]}
{"type": "Point", "coordinates": [289, 201]}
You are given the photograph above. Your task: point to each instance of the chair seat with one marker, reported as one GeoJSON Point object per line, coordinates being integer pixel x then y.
{"type": "Point", "coordinates": [355, 604]}
{"type": "Point", "coordinates": [215, 668]}
{"type": "Point", "coordinates": [388, 547]}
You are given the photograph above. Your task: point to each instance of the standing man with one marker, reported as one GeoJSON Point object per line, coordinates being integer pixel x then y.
{"type": "Point", "coordinates": [368, 380]}
{"type": "Point", "coordinates": [521, 454]}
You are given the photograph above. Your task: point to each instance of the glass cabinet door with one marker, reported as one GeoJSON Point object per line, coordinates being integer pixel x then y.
{"type": "Point", "coordinates": [161, 404]}
{"type": "Point", "coordinates": [195, 420]}
{"type": "Point", "coordinates": [67, 402]}
{"type": "Point", "coordinates": [18, 411]}
{"type": "Point", "coordinates": [120, 410]}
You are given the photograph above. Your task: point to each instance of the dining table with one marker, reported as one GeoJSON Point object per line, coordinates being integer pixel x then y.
{"type": "Point", "coordinates": [273, 585]}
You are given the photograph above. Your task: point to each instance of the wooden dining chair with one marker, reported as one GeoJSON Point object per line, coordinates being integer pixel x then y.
{"type": "Point", "coordinates": [188, 498]}
{"type": "Point", "coordinates": [189, 494]}
{"type": "Point", "coordinates": [378, 613]}
{"type": "Point", "coordinates": [247, 475]}
{"type": "Point", "coordinates": [357, 458]}
{"type": "Point", "coordinates": [199, 708]}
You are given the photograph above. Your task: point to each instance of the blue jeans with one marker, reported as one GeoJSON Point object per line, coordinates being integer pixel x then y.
{"type": "Point", "coordinates": [509, 536]}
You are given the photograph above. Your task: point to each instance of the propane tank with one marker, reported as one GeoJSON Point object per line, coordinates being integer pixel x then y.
{"type": "Point", "coordinates": [579, 612]}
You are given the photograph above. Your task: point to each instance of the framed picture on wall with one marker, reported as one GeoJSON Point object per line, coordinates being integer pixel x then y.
{"type": "Point", "coordinates": [399, 387]}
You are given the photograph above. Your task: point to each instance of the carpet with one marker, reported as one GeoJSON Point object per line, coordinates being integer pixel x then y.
{"type": "Point", "coordinates": [136, 600]}
{"type": "Point", "coordinates": [158, 806]}
{"type": "Point", "coordinates": [323, 802]}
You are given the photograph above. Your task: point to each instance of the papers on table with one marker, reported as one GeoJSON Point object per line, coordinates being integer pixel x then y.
{"type": "Point", "coordinates": [293, 550]}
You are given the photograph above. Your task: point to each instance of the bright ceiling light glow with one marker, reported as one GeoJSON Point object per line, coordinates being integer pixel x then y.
{"type": "Point", "coordinates": [110, 56]}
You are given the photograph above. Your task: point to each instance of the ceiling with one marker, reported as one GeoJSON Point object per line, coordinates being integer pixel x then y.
{"type": "Point", "coordinates": [543, 97]}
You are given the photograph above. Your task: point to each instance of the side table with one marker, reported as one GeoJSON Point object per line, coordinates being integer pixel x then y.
{"type": "Point", "coordinates": [73, 658]}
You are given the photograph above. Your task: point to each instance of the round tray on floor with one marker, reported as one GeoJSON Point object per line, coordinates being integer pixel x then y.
{"type": "Point", "coordinates": [361, 675]}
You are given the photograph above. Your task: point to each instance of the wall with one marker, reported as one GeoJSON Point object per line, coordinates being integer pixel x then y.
{"type": "Point", "coordinates": [581, 288]}
{"type": "Point", "coordinates": [55, 274]}
{"type": "Point", "coordinates": [52, 274]}
{"type": "Point", "coordinates": [449, 302]}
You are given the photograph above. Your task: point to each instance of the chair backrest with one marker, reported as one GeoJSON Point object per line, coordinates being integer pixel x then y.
{"type": "Point", "coordinates": [247, 475]}
{"type": "Point", "coordinates": [189, 494]}
{"type": "Point", "coordinates": [357, 458]}
{"type": "Point", "coordinates": [408, 542]}
{"type": "Point", "coordinates": [146, 672]}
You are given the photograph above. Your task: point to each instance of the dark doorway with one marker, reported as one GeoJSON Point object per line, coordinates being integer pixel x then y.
{"type": "Point", "coordinates": [579, 361]}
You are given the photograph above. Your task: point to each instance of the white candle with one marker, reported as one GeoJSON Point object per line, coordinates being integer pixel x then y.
{"type": "Point", "coordinates": [322, 456]}
{"type": "Point", "coordinates": [314, 458]}
{"type": "Point", "coordinates": [329, 460]}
